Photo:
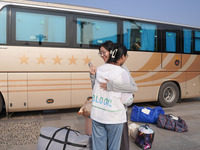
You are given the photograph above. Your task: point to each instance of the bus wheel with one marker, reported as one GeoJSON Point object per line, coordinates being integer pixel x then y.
{"type": "Point", "coordinates": [168, 94]}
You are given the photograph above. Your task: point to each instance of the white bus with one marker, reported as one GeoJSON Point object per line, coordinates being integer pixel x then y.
{"type": "Point", "coordinates": [45, 49]}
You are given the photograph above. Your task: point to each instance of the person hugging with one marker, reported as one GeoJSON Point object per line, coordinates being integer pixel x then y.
{"type": "Point", "coordinates": [108, 113]}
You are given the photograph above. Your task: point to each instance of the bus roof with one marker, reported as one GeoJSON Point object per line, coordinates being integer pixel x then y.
{"type": "Point", "coordinates": [65, 6]}
{"type": "Point", "coordinates": [81, 9]}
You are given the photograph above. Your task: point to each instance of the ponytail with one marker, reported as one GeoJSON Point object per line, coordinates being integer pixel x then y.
{"type": "Point", "coordinates": [116, 53]}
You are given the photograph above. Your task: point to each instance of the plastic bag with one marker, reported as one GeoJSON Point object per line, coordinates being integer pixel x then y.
{"type": "Point", "coordinates": [144, 137]}
{"type": "Point", "coordinates": [85, 110]}
{"type": "Point", "coordinates": [133, 130]}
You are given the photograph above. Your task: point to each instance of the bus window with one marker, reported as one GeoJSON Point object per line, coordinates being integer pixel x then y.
{"type": "Point", "coordinates": [95, 32]}
{"type": "Point", "coordinates": [3, 22]}
{"type": "Point", "coordinates": [140, 36]}
{"type": "Point", "coordinates": [187, 40]}
{"type": "Point", "coordinates": [40, 27]}
{"type": "Point", "coordinates": [170, 42]}
{"type": "Point", "coordinates": [197, 41]}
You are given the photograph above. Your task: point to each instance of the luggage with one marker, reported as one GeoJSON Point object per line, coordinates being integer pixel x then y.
{"type": "Point", "coordinates": [144, 137]}
{"type": "Point", "coordinates": [133, 130]}
{"type": "Point", "coordinates": [85, 111]}
{"type": "Point", "coordinates": [52, 138]}
{"type": "Point", "coordinates": [171, 122]}
{"type": "Point", "coordinates": [147, 115]}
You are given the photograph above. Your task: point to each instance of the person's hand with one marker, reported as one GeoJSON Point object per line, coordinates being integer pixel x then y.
{"type": "Point", "coordinates": [93, 70]}
{"type": "Point", "coordinates": [103, 85]}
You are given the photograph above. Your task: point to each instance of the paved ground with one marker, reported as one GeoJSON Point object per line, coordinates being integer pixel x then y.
{"type": "Point", "coordinates": [21, 130]}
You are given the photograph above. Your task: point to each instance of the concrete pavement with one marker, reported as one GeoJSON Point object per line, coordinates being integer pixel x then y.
{"type": "Point", "coordinates": [28, 125]}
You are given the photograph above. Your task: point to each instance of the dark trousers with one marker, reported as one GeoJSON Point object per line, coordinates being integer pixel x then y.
{"type": "Point", "coordinates": [125, 138]}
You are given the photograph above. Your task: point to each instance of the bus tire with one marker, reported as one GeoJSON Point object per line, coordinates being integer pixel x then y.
{"type": "Point", "coordinates": [168, 95]}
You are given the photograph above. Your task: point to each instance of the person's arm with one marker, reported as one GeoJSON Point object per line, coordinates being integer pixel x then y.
{"type": "Point", "coordinates": [123, 87]}
{"type": "Point", "coordinates": [92, 78]}
{"type": "Point", "coordinates": [93, 71]}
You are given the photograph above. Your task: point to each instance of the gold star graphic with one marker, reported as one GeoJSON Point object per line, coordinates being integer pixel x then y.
{"type": "Point", "coordinates": [87, 60]}
{"type": "Point", "coordinates": [41, 59]}
{"type": "Point", "coordinates": [24, 59]}
{"type": "Point", "coordinates": [57, 60]}
{"type": "Point", "coordinates": [73, 60]}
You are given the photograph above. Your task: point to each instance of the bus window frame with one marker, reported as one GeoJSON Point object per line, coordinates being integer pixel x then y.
{"type": "Point", "coordinates": [13, 40]}
{"type": "Point", "coordinates": [92, 17]}
{"type": "Point", "coordinates": [71, 30]}
{"type": "Point", "coordinates": [192, 45]}
{"type": "Point", "coordinates": [145, 22]}
{"type": "Point", "coordinates": [7, 25]}
{"type": "Point", "coordinates": [193, 42]}
{"type": "Point", "coordinates": [174, 29]}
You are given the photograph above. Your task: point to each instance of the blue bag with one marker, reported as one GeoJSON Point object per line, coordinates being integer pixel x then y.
{"type": "Point", "coordinates": [145, 114]}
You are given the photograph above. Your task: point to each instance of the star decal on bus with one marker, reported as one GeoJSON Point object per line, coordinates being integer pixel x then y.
{"type": "Point", "coordinates": [41, 59]}
{"type": "Point", "coordinates": [87, 60]}
{"type": "Point", "coordinates": [57, 60]}
{"type": "Point", "coordinates": [24, 59]}
{"type": "Point", "coordinates": [73, 60]}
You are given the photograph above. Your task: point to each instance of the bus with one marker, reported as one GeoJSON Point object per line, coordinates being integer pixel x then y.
{"type": "Point", "coordinates": [45, 49]}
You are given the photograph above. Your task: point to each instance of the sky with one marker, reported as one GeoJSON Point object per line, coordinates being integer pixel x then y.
{"type": "Point", "coordinates": [185, 12]}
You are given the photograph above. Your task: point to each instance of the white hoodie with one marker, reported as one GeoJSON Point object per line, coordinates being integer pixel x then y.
{"type": "Point", "coordinates": [107, 107]}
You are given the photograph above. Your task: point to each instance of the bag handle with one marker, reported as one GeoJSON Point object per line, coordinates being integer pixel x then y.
{"type": "Point", "coordinates": [146, 126]}
{"type": "Point", "coordinates": [66, 138]}
{"type": "Point", "coordinates": [53, 137]}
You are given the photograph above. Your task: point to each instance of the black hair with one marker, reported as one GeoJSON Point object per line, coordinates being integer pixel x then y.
{"type": "Point", "coordinates": [108, 45]}
{"type": "Point", "coordinates": [117, 52]}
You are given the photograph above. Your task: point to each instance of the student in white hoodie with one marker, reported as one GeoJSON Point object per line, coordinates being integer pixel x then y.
{"type": "Point", "coordinates": [104, 53]}
{"type": "Point", "coordinates": [108, 113]}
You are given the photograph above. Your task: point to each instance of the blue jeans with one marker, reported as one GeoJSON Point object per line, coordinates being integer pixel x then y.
{"type": "Point", "coordinates": [106, 136]}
